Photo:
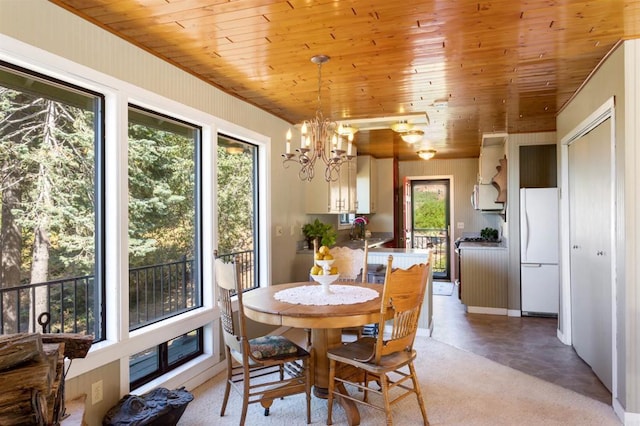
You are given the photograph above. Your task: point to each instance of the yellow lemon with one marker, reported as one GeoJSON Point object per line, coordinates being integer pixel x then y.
{"type": "Point", "coordinates": [318, 256]}
{"type": "Point", "coordinates": [334, 270]}
{"type": "Point", "coordinates": [324, 250]}
{"type": "Point", "coordinates": [327, 257]}
{"type": "Point", "coordinates": [315, 270]}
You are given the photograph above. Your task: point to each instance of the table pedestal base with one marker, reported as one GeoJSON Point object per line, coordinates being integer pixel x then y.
{"type": "Point", "coordinates": [321, 340]}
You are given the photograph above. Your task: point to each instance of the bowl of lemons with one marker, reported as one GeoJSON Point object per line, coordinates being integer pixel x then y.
{"type": "Point", "coordinates": [325, 279]}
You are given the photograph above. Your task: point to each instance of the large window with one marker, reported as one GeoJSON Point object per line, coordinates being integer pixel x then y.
{"type": "Point", "coordinates": [51, 198]}
{"type": "Point", "coordinates": [237, 206]}
{"type": "Point", "coordinates": [164, 217]}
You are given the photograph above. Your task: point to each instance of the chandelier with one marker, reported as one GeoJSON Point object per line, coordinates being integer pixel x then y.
{"type": "Point", "coordinates": [319, 139]}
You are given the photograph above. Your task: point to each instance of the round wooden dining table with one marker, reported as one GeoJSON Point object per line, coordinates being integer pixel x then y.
{"type": "Point", "coordinates": [325, 322]}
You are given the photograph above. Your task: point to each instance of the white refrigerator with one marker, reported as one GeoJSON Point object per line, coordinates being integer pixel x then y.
{"type": "Point", "coordinates": [539, 247]}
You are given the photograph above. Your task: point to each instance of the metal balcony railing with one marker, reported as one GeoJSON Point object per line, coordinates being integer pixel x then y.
{"type": "Point", "coordinates": [245, 262]}
{"type": "Point", "coordinates": [156, 292]}
{"type": "Point", "coordinates": [438, 241]}
{"type": "Point", "coordinates": [72, 305]}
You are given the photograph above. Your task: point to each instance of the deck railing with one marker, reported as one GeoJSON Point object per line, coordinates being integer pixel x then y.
{"type": "Point", "coordinates": [438, 241]}
{"type": "Point", "coordinates": [71, 304]}
{"type": "Point", "coordinates": [245, 262]}
{"type": "Point", "coordinates": [156, 292]}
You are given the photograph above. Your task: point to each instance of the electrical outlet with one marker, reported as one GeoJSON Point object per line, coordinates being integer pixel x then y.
{"type": "Point", "coordinates": [460, 225]}
{"type": "Point", "coordinates": [96, 392]}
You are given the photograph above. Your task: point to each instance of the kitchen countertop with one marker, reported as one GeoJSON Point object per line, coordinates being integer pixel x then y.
{"type": "Point", "coordinates": [373, 242]}
{"type": "Point", "coordinates": [398, 251]}
{"type": "Point", "coordinates": [482, 245]}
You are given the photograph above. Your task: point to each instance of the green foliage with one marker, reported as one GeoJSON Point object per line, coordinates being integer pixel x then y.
{"type": "Point", "coordinates": [161, 196]}
{"type": "Point", "coordinates": [324, 231]}
{"type": "Point", "coordinates": [430, 210]}
{"type": "Point", "coordinates": [47, 157]}
{"type": "Point", "coordinates": [235, 201]}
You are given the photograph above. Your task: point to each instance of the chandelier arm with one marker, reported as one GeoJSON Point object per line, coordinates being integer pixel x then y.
{"type": "Point", "coordinates": [317, 141]}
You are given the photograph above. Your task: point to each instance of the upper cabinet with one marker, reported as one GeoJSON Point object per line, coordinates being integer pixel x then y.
{"type": "Point", "coordinates": [322, 197]}
{"type": "Point", "coordinates": [491, 152]}
{"type": "Point", "coordinates": [366, 187]}
{"type": "Point", "coordinates": [490, 192]}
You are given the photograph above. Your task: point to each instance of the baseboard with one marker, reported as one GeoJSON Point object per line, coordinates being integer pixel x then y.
{"type": "Point", "coordinates": [563, 337]}
{"type": "Point", "coordinates": [485, 310]}
{"type": "Point", "coordinates": [514, 313]}
{"type": "Point", "coordinates": [627, 419]}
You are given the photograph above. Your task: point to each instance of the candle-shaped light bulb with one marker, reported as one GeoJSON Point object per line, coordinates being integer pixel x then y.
{"type": "Point", "coordinates": [340, 143]}
{"type": "Point", "coordinates": [303, 134]}
{"type": "Point", "coordinates": [334, 142]}
{"type": "Point", "coordinates": [288, 146]}
{"type": "Point", "coordinates": [349, 148]}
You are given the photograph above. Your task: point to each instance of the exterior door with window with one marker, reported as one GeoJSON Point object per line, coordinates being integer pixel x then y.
{"type": "Point", "coordinates": [426, 218]}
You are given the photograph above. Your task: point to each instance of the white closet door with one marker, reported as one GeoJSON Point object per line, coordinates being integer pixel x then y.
{"type": "Point", "coordinates": [590, 217]}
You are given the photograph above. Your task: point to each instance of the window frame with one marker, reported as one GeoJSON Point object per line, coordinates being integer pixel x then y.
{"type": "Point", "coordinates": [119, 342]}
{"type": "Point", "coordinates": [197, 207]}
{"type": "Point", "coordinates": [99, 174]}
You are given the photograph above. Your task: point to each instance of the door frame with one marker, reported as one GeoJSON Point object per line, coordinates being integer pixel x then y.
{"type": "Point", "coordinates": [597, 117]}
{"type": "Point", "coordinates": [407, 181]}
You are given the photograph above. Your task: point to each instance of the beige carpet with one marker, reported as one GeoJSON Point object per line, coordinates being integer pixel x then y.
{"type": "Point", "coordinates": [460, 388]}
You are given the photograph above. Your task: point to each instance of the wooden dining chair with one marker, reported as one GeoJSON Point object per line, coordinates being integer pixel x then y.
{"type": "Point", "coordinates": [260, 369]}
{"type": "Point", "coordinates": [388, 358]}
{"type": "Point", "coordinates": [352, 267]}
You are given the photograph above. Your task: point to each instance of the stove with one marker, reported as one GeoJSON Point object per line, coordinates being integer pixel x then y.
{"type": "Point", "coordinates": [472, 239]}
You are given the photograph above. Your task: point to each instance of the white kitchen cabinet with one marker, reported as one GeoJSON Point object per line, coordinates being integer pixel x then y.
{"type": "Point", "coordinates": [323, 197]}
{"type": "Point", "coordinates": [491, 152]}
{"type": "Point", "coordinates": [366, 186]}
{"type": "Point", "coordinates": [490, 157]}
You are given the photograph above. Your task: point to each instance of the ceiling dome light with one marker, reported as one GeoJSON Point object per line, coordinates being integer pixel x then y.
{"type": "Point", "coordinates": [401, 126]}
{"type": "Point", "coordinates": [426, 154]}
{"type": "Point", "coordinates": [412, 136]}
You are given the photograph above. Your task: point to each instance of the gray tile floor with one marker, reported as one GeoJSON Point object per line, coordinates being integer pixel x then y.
{"type": "Point", "coordinates": [527, 344]}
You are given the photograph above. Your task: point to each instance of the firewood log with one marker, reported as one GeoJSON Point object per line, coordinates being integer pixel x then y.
{"type": "Point", "coordinates": [75, 345]}
{"type": "Point", "coordinates": [16, 349]}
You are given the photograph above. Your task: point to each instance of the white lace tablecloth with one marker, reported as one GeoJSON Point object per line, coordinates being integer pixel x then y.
{"type": "Point", "coordinates": [314, 295]}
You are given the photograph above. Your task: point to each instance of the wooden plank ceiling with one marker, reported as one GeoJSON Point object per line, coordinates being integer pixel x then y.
{"type": "Point", "coordinates": [500, 66]}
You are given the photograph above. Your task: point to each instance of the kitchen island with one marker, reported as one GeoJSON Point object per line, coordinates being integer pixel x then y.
{"type": "Point", "coordinates": [484, 277]}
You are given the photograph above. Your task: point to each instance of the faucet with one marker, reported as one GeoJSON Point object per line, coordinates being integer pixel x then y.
{"type": "Point", "coordinates": [358, 226]}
